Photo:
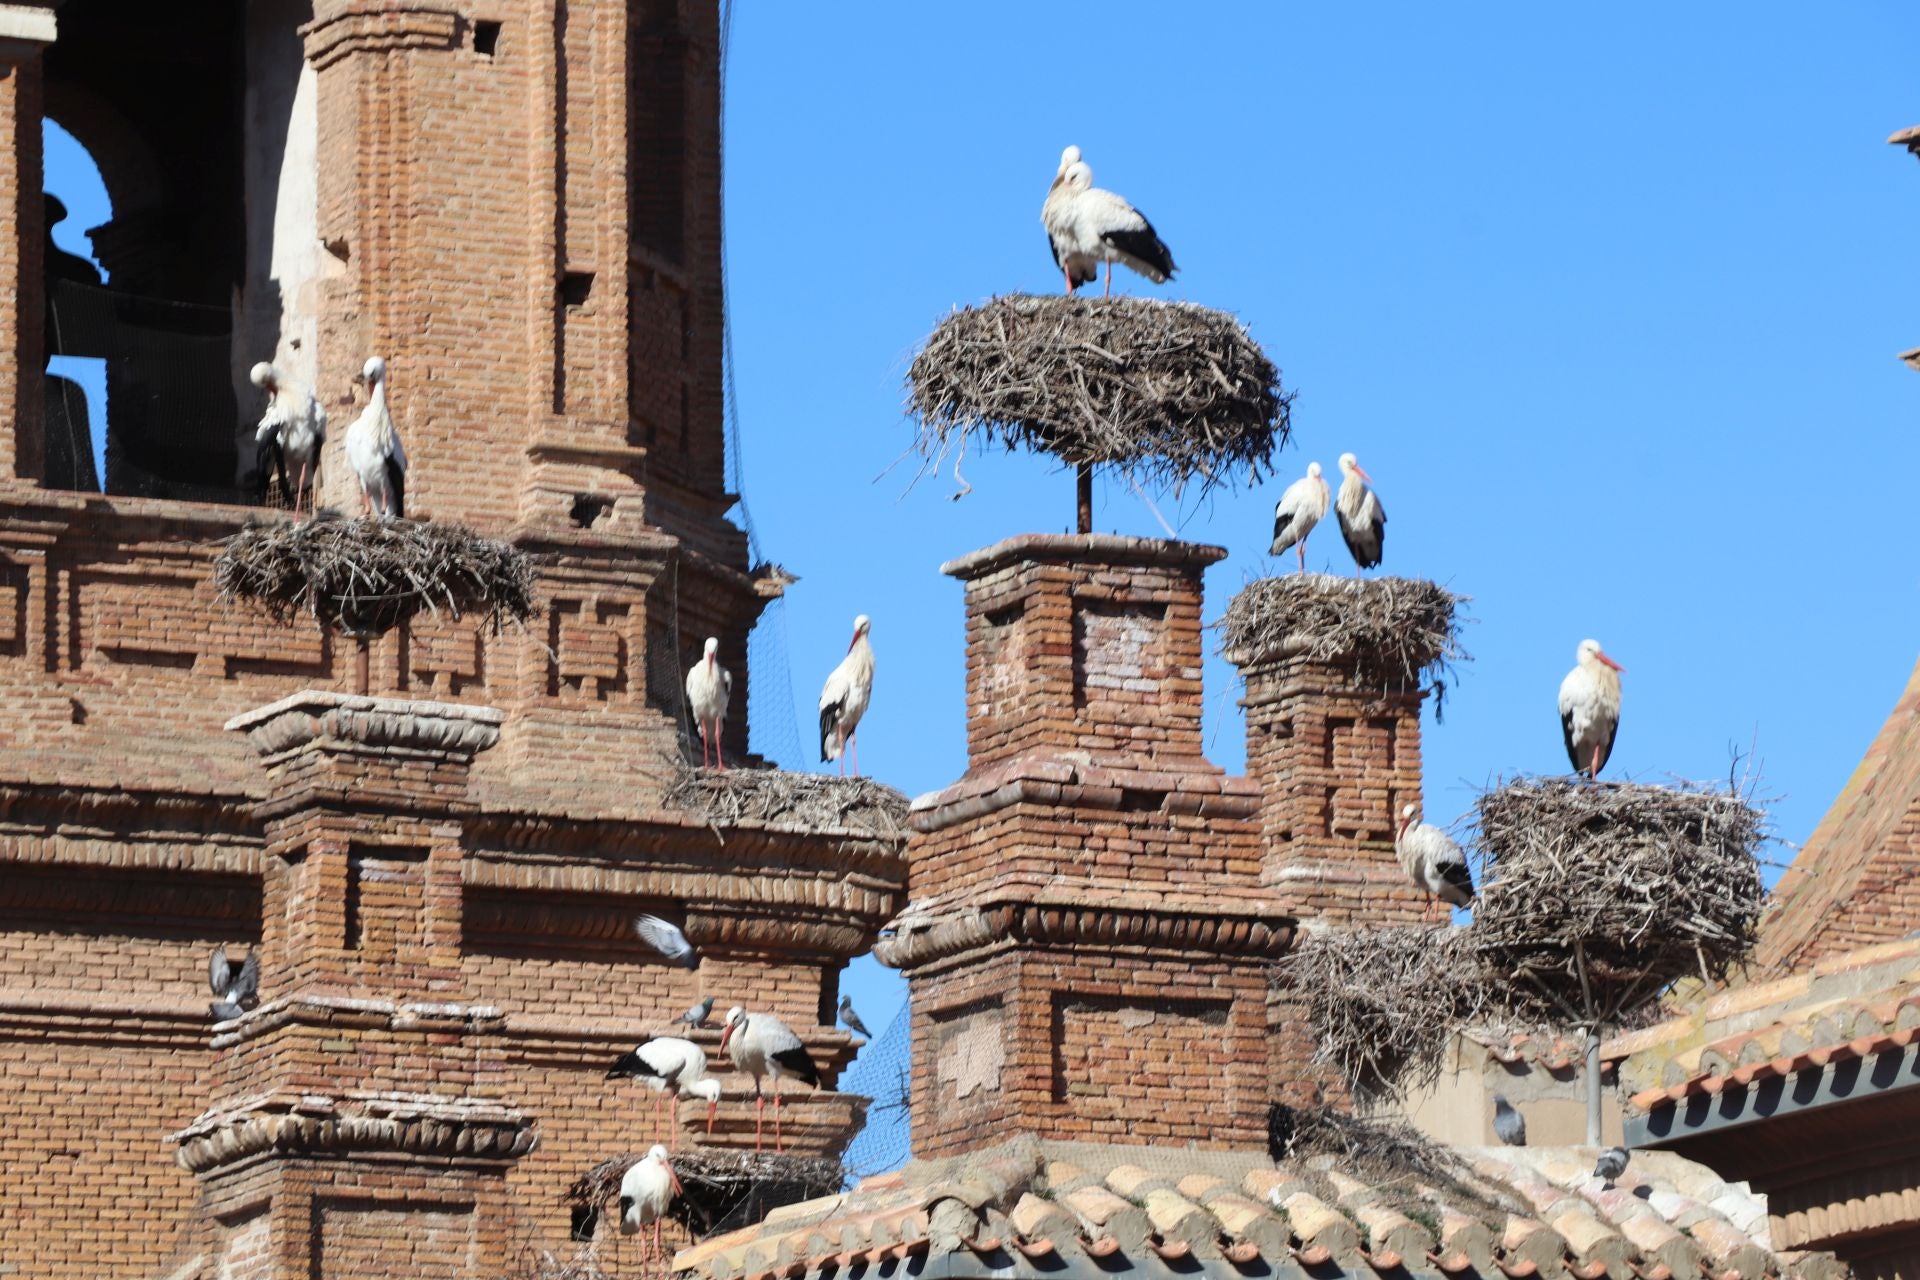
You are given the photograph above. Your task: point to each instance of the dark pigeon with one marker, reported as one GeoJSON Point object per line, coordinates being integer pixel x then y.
{"type": "Point", "coordinates": [1508, 1125]}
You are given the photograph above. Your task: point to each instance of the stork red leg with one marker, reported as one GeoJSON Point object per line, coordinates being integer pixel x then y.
{"type": "Point", "coordinates": [1067, 271]}
{"type": "Point", "coordinates": [1109, 292]}
{"type": "Point", "coordinates": [759, 1118]}
{"type": "Point", "coordinates": [1595, 773]}
{"type": "Point", "coordinates": [719, 757]}
{"type": "Point", "coordinates": [855, 755]}
{"type": "Point", "coordinates": [779, 1144]}
{"type": "Point", "coordinates": [1301, 547]}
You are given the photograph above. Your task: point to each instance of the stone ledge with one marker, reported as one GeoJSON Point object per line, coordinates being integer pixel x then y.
{"type": "Point", "coordinates": [1091, 548]}
{"type": "Point", "coordinates": [423, 1017]}
{"type": "Point", "coordinates": [1074, 779]}
{"type": "Point", "coordinates": [318, 716]}
{"type": "Point", "coordinates": [298, 1125]}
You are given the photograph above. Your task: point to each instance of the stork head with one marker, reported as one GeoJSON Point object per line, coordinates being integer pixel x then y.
{"type": "Point", "coordinates": [736, 1016]}
{"type": "Point", "coordinates": [264, 376]}
{"type": "Point", "coordinates": [1078, 176]}
{"type": "Point", "coordinates": [1590, 651]}
{"type": "Point", "coordinates": [373, 372]}
{"type": "Point", "coordinates": [1350, 466]}
{"type": "Point", "coordinates": [861, 626]}
{"type": "Point", "coordinates": [712, 648]}
{"type": "Point", "coordinates": [1409, 814]}
{"type": "Point", "coordinates": [1068, 158]}
{"type": "Point", "coordinates": [656, 1152]}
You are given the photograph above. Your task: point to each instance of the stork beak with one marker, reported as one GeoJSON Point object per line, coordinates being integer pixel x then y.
{"type": "Point", "coordinates": [1610, 662]}
{"type": "Point", "coordinates": [726, 1034]}
{"type": "Point", "coordinates": [1362, 473]}
{"type": "Point", "coordinates": [674, 1178]}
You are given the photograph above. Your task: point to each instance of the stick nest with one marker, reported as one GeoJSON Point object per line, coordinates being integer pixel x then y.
{"type": "Point", "coordinates": [366, 577]}
{"type": "Point", "coordinates": [720, 1189]}
{"type": "Point", "coordinates": [1168, 392]}
{"type": "Point", "coordinates": [1383, 1002]}
{"type": "Point", "coordinates": [1399, 1160]}
{"type": "Point", "coordinates": [1392, 632]}
{"type": "Point", "coordinates": [815, 801]}
{"type": "Point", "coordinates": [1652, 883]}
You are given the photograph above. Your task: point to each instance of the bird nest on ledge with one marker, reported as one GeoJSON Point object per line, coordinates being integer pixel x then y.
{"type": "Point", "coordinates": [1639, 885]}
{"type": "Point", "coordinates": [720, 1190]}
{"type": "Point", "coordinates": [1167, 392]}
{"type": "Point", "coordinates": [366, 577]}
{"type": "Point", "coordinates": [815, 801]}
{"type": "Point", "coordinates": [1395, 633]}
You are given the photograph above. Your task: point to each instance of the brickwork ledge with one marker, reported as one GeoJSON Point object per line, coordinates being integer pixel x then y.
{"type": "Point", "coordinates": [321, 1009]}
{"type": "Point", "coordinates": [1103, 548]}
{"type": "Point", "coordinates": [304, 1124]}
{"type": "Point", "coordinates": [1070, 778]}
{"type": "Point", "coordinates": [398, 724]}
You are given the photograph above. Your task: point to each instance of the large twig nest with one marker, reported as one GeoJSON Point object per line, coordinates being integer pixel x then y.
{"type": "Point", "coordinates": [366, 577]}
{"type": "Point", "coordinates": [720, 1189]}
{"type": "Point", "coordinates": [1167, 392]}
{"type": "Point", "coordinates": [816, 801]}
{"type": "Point", "coordinates": [1392, 632]}
{"type": "Point", "coordinates": [1383, 1002]}
{"type": "Point", "coordinates": [1651, 883]}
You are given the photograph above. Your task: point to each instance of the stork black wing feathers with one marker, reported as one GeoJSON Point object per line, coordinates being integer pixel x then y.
{"type": "Point", "coordinates": [1366, 543]}
{"type": "Point", "coordinates": [1459, 876]}
{"type": "Point", "coordinates": [829, 714]}
{"type": "Point", "coordinates": [1144, 244]}
{"type": "Point", "coordinates": [397, 481]}
{"type": "Point", "coordinates": [799, 1064]}
{"type": "Point", "coordinates": [1282, 520]}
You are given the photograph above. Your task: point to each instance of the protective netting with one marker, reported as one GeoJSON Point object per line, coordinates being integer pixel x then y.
{"type": "Point", "coordinates": [882, 1072]}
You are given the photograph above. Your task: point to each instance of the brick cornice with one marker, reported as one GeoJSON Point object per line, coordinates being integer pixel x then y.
{"type": "Point", "coordinates": [1064, 780]}
{"type": "Point", "coordinates": [1080, 548]}
{"type": "Point", "coordinates": [461, 1131]}
{"type": "Point", "coordinates": [374, 26]}
{"type": "Point", "coordinates": [38, 1014]}
{"type": "Point", "coordinates": [342, 721]}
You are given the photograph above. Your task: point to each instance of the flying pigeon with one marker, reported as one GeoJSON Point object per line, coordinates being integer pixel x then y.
{"type": "Point", "coordinates": [236, 985]}
{"type": "Point", "coordinates": [1611, 1164]}
{"type": "Point", "coordinates": [852, 1019]}
{"type": "Point", "coordinates": [667, 940]}
{"type": "Point", "coordinates": [1508, 1125]}
{"type": "Point", "coordinates": [697, 1016]}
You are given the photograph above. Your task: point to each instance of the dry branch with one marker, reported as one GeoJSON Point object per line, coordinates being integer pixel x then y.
{"type": "Point", "coordinates": [366, 577]}
{"type": "Point", "coordinates": [816, 801]}
{"type": "Point", "coordinates": [1165, 392]}
{"type": "Point", "coordinates": [1394, 632]}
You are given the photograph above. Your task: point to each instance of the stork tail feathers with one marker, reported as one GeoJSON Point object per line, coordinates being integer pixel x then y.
{"type": "Point", "coordinates": [799, 1064]}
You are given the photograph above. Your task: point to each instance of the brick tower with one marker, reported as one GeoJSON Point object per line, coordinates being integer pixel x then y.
{"type": "Point", "coordinates": [518, 206]}
{"type": "Point", "coordinates": [1088, 908]}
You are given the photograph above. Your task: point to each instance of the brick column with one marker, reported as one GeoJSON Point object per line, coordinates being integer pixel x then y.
{"type": "Point", "coordinates": [356, 1111]}
{"type": "Point", "coordinates": [25, 29]}
{"type": "Point", "coordinates": [1088, 942]}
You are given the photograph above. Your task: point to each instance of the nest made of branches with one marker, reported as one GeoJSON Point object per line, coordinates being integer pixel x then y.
{"type": "Point", "coordinates": [1383, 1002]}
{"type": "Point", "coordinates": [815, 801]}
{"type": "Point", "coordinates": [720, 1189]}
{"type": "Point", "coordinates": [366, 577]}
{"type": "Point", "coordinates": [1395, 1157]}
{"type": "Point", "coordinates": [1648, 884]}
{"type": "Point", "coordinates": [1167, 392]}
{"type": "Point", "coordinates": [1392, 632]}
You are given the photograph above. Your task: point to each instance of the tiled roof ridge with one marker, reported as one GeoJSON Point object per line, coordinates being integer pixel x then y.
{"type": "Point", "coordinates": [1013, 1209]}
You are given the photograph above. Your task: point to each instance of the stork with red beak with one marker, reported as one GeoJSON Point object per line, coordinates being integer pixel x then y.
{"type": "Point", "coordinates": [646, 1192]}
{"type": "Point", "coordinates": [1590, 708]}
{"type": "Point", "coordinates": [1363, 521]}
{"type": "Point", "coordinates": [668, 1064]}
{"type": "Point", "coordinates": [709, 686]}
{"type": "Point", "coordinates": [762, 1045]}
{"type": "Point", "coordinates": [1300, 508]}
{"type": "Point", "coordinates": [844, 699]}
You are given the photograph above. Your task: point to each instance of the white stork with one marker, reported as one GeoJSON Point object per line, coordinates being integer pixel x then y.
{"type": "Point", "coordinates": [374, 450]}
{"type": "Point", "coordinates": [668, 1063]}
{"type": "Point", "coordinates": [709, 686]}
{"type": "Point", "coordinates": [1300, 508]}
{"type": "Point", "coordinates": [1590, 708]}
{"type": "Point", "coordinates": [1363, 521]}
{"type": "Point", "coordinates": [292, 430]}
{"type": "Point", "coordinates": [1087, 226]}
{"type": "Point", "coordinates": [1432, 859]}
{"type": "Point", "coordinates": [844, 699]}
{"type": "Point", "coordinates": [645, 1195]}
{"type": "Point", "coordinates": [762, 1045]}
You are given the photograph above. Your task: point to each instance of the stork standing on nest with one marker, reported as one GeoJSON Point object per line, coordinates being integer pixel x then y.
{"type": "Point", "coordinates": [1300, 508]}
{"type": "Point", "coordinates": [709, 686]}
{"type": "Point", "coordinates": [292, 430]}
{"type": "Point", "coordinates": [669, 1064]}
{"type": "Point", "coordinates": [374, 450]}
{"type": "Point", "coordinates": [1590, 708]}
{"type": "Point", "coordinates": [1087, 226]}
{"type": "Point", "coordinates": [1363, 521]}
{"type": "Point", "coordinates": [646, 1192]}
{"type": "Point", "coordinates": [844, 699]}
{"type": "Point", "coordinates": [1432, 860]}
{"type": "Point", "coordinates": [762, 1045]}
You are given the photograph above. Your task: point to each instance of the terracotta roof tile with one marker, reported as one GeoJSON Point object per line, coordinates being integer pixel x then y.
{"type": "Point", "coordinates": [1668, 1219]}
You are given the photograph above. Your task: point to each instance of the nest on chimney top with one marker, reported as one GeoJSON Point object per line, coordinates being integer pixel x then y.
{"type": "Point", "coordinates": [1393, 633]}
{"type": "Point", "coordinates": [815, 801]}
{"type": "Point", "coordinates": [1166, 392]}
{"type": "Point", "coordinates": [363, 578]}
{"type": "Point", "coordinates": [720, 1189]}
{"type": "Point", "coordinates": [1598, 896]}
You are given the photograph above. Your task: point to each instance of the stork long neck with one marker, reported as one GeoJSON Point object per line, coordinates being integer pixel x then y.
{"type": "Point", "coordinates": [382, 421]}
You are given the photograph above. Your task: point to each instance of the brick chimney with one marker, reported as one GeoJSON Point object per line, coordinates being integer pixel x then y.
{"type": "Point", "coordinates": [1088, 936]}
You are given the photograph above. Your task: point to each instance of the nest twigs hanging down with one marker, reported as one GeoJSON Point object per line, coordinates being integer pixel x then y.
{"type": "Point", "coordinates": [1166, 392]}
{"type": "Point", "coordinates": [1383, 1002]}
{"type": "Point", "coordinates": [1394, 632]}
{"type": "Point", "coordinates": [1395, 1157]}
{"type": "Point", "coordinates": [715, 1183]}
{"type": "Point", "coordinates": [366, 577]}
{"type": "Point", "coordinates": [816, 801]}
{"type": "Point", "coordinates": [1650, 883]}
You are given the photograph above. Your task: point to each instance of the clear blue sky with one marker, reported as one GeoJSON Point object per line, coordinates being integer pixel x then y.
{"type": "Point", "coordinates": [1606, 299]}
